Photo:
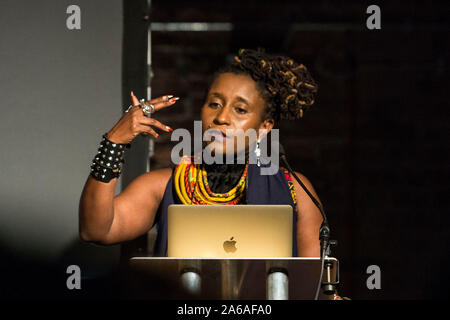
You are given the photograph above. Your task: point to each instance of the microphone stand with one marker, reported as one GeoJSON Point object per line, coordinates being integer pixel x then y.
{"type": "Point", "coordinates": [324, 233]}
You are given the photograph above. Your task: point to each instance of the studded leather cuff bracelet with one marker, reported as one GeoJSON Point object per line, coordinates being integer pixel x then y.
{"type": "Point", "coordinates": [108, 162]}
{"type": "Point", "coordinates": [103, 174]}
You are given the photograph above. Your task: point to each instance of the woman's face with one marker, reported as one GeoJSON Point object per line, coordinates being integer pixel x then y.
{"type": "Point", "coordinates": [233, 102]}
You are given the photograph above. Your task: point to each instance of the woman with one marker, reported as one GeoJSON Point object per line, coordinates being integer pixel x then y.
{"type": "Point", "coordinates": [253, 92]}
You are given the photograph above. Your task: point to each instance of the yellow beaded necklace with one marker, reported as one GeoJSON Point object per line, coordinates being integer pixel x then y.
{"type": "Point", "coordinates": [191, 186]}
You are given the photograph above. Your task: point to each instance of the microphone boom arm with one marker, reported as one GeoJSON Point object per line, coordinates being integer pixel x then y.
{"type": "Point", "coordinates": [324, 232]}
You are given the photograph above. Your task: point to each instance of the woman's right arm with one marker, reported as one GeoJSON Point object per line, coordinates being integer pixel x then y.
{"type": "Point", "coordinates": [106, 219]}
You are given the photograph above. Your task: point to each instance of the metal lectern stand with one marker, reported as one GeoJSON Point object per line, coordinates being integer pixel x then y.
{"type": "Point", "coordinates": [231, 279]}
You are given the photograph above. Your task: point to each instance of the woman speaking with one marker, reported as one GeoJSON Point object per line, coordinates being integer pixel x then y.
{"type": "Point", "coordinates": [254, 92]}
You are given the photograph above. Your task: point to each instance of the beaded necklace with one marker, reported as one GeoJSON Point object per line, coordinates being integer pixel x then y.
{"type": "Point", "coordinates": [191, 186]}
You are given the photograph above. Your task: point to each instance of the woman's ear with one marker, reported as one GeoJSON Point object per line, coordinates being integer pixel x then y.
{"type": "Point", "coordinates": [267, 125]}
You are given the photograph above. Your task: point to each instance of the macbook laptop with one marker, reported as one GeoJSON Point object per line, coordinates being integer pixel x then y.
{"type": "Point", "coordinates": [229, 231]}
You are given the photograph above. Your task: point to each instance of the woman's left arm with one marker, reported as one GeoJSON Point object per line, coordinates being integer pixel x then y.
{"type": "Point", "coordinates": [309, 219]}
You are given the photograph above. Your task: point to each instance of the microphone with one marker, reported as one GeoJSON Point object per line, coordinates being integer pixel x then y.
{"type": "Point", "coordinates": [324, 232]}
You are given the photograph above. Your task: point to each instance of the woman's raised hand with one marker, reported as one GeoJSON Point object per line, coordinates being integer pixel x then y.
{"type": "Point", "coordinates": [134, 121]}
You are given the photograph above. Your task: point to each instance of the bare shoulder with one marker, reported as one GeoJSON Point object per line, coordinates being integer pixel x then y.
{"type": "Point", "coordinates": [299, 190]}
{"type": "Point", "coordinates": [303, 178]}
{"type": "Point", "coordinates": [308, 213]}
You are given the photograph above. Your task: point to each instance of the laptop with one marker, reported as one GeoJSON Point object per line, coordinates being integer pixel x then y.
{"type": "Point", "coordinates": [229, 231]}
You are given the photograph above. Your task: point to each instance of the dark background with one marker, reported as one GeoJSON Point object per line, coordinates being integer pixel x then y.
{"type": "Point", "coordinates": [373, 145]}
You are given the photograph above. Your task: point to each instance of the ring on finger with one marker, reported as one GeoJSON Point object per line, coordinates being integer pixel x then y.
{"type": "Point", "coordinates": [146, 108]}
{"type": "Point", "coordinates": [131, 106]}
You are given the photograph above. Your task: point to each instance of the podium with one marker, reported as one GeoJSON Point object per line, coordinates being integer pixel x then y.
{"type": "Point", "coordinates": [230, 279]}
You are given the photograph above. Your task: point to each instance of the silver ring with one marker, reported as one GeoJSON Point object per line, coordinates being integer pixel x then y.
{"type": "Point", "coordinates": [131, 106]}
{"type": "Point", "coordinates": [146, 108]}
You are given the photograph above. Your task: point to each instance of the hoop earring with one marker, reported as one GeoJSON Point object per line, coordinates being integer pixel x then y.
{"type": "Point", "coordinates": [258, 153]}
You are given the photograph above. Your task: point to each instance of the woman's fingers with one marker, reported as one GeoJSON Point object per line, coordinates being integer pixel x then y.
{"type": "Point", "coordinates": [155, 123]}
{"type": "Point", "coordinates": [134, 99]}
{"type": "Point", "coordinates": [162, 102]}
{"type": "Point", "coordinates": [144, 124]}
{"type": "Point", "coordinates": [149, 130]}
{"type": "Point", "coordinates": [159, 103]}
{"type": "Point", "coordinates": [161, 99]}
{"type": "Point", "coordinates": [133, 122]}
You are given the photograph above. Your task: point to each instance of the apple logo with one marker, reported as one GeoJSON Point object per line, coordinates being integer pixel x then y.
{"type": "Point", "coordinates": [230, 245]}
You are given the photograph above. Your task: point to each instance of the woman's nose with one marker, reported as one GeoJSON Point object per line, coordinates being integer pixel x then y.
{"type": "Point", "coordinates": [223, 116]}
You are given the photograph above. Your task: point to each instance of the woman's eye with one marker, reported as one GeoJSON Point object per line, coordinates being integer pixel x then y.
{"type": "Point", "coordinates": [213, 104]}
{"type": "Point", "coordinates": [241, 111]}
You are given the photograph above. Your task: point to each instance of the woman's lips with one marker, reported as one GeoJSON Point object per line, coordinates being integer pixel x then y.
{"type": "Point", "coordinates": [217, 134]}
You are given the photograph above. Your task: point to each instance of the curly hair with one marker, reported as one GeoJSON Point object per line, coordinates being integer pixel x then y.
{"type": "Point", "coordinates": [286, 86]}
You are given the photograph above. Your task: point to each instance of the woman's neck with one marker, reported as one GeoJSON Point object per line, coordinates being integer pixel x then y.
{"type": "Point", "coordinates": [223, 177]}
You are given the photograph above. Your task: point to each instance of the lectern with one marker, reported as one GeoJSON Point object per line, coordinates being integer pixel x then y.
{"type": "Point", "coordinates": [237, 278]}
